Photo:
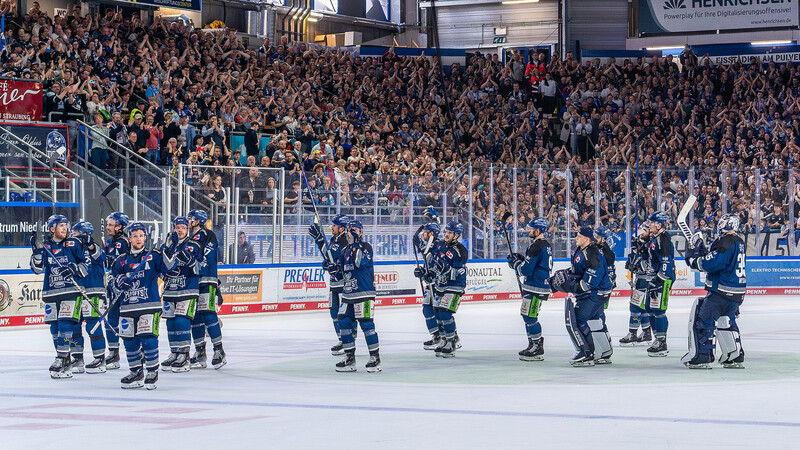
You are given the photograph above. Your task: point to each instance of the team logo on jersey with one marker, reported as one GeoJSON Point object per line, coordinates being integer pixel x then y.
{"type": "Point", "coordinates": [449, 254]}
{"type": "Point", "coordinates": [118, 245]}
{"type": "Point", "coordinates": [577, 259]}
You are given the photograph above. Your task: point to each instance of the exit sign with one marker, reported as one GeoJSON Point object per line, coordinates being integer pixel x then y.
{"type": "Point", "coordinates": [499, 40]}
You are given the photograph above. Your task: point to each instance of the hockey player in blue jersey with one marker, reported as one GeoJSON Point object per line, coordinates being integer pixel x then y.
{"type": "Point", "coordinates": [336, 246]}
{"type": "Point", "coordinates": [94, 285]}
{"type": "Point", "coordinates": [641, 274]}
{"type": "Point", "coordinates": [135, 275]}
{"type": "Point", "coordinates": [586, 279]}
{"type": "Point", "coordinates": [662, 260]}
{"type": "Point", "coordinates": [63, 260]}
{"type": "Point", "coordinates": [726, 282]}
{"type": "Point", "coordinates": [535, 267]}
{"type": "Point", "coordinates": [181, 290]}
{"type": "Point", "coordinates": [448, 274]}
{"type": "Point", "coordinates": [116, 245]}
{"type": "Point", "coordinates": [603, 236]}
{"type": "Point", "coordinates": [428, 244]}
{"type": "Point", "coordinates": [355, 267]}
{"type": "Point", "coordinates": [205, 317]}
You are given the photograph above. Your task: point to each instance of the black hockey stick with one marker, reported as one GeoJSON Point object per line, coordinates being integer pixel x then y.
{"type": "Point", "coordinates": [318, 221]}
{"type": "Point", "coordinates": [502, 224]}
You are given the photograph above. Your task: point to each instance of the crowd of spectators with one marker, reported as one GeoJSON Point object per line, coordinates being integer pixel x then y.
{"type": "Point", "coordinates": [397, 128]}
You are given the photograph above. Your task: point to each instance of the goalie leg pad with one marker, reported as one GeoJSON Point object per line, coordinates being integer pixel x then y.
{"type": "Point", "coordinates": [602, 345]}
{"type": "Point", "coordinates": [574, 330]}
{"type": "Point", "coordinates": [701, 338]}
{"type": "Point", "coordinates": [730, 342]}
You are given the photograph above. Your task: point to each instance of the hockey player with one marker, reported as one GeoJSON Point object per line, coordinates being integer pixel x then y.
{"type": "Point", "coordinates": [135, 275]}
{"type": "Point", "coordinates": [354, 266]}
{"type": "Point", "coordinates": [587, 277]}
{"type": "Point", "coordinates": [428, 243]}
{"type": "Point", "coordinates": [336, 246]}
{"type": "Point", "coordinates": [641, 274]}
{"type": "Point", "coordinates": [662, 260]}
{"type": "Point", "coordinates": [63, 260]}
{"type": "Point", "coordinates": [726, 282]}
{"type": "Point", "coordinates": [181, 289]}
{"type": "Point", "coordinates": [603, 237]}
{"type": "Point", "coordinates": [448, 274]}
{"type": "Point", "coordinates": [206, 315]}
{"type": "Point", "coordinates": [116, 245]}
{"type": "Point", "coordinates": [94, 285]}
{"type": "Point", "coordinates": [535, 267]}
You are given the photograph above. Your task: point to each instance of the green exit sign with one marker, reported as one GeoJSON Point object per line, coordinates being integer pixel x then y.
{"type": "Point", "coordinates": [499, 40]}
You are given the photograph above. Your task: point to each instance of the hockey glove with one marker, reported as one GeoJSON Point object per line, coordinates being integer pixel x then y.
{"type": "Point", "coordinates": [184, 257]}
{"type": "Point", "coordinates": [418, 243]}
{"type": "Point", "coordinates": [123, 283]}
{"type": "Point", "coordinates": [171, 243]}
{"type": "Point", "coordinates": [315, 231]}
{"type": "Point", "coordinates": [419, 272]}
{"type": "Point", "coordinates": [68, 271]}
{"type": "Point", "coordinates": [429, 277]}
{"type": "Point", "coordinates": [34, 245]}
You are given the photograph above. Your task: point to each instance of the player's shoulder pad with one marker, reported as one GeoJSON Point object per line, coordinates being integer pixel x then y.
{"type": "Point", "coordinates": [341, 240]}
{"type": "Point", "coordinates": [461, 252]}
{"type": "Point", "coordinates": [722, 244]}
{"type": "Point", "coordinates": [664, 240]}
{"type": "Point", "coordinates": [608, 254]}
{"type": "Point", "coordinates": [592, 255]}
{"type": "Point", "coordinates": [537, 246]}
{"type": "Point", "coordinates": [365, 247]}
{"type": "Point", "coordinates": [119, 259]}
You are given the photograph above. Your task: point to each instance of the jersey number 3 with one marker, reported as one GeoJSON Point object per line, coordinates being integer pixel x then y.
{"type": "Point", "coordinates": [740, 272]}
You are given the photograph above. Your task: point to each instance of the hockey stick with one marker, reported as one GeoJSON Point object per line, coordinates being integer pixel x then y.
{"type": "Point", "coordinates": [691, 238]}
{"type": "Point", "coordinates": [82, 290]}
{"type": "Point", "coordinates": [104, 195]}
{"type": "Point", "coordinates": [318, 221]}
{"type": "Point", "coordinates": [118, 296]}
{"type": "Point", "coordinates": [638, 140]}
{"type": "Point", "coordinates": [502, 223]}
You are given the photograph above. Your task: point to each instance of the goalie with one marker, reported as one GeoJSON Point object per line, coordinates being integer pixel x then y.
{"type": "Point", "coordinates": [726, 282]}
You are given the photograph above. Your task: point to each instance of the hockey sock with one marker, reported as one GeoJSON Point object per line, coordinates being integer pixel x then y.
{"type": "Point", "coordinates": [211, 322]}
{"type": "Point", "coordinates": [346, 333]}
{"type": "Point", "coordinates": [171, 334]}
{"type": "Point", "coordinates": [370, 335]}
{"type": "Point", "coordinates": [150, 348]}
{"type": "Point", "coordinates": [76, 342]}
{"type": "Point", "coordinates": [334, 310]}
{"type": "Point", "coordinates": [96, 338]}
{"type": "Point", "coordinates": [660, 323]}
{"type": "Point", "coordinates": [133, 352]}
{"type": "Point", "coordinates": [183, 334]}
{"type": "Point", "coordinates": [644, 319]}
{"type": "Point", "coordinates": [448, 323]}
{"type": "Point", "coordinates": [198, 330]}
{"type": "Point", "coordinates": [111, 336]}
{"type": "Point", "coordinates": [66, 331]}
{"type": "Point", "coordinates": [430, 319]}
{"type": "Point", "coordinates": [54, 334]}
{"type": "Point", "coordinates": [532, 327]}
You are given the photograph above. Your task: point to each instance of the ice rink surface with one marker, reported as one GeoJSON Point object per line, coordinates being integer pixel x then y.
{"type": "Point", "coordinates": [279, 389]}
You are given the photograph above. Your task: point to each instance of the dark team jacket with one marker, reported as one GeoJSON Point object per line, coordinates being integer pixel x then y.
{"type": "Point", "coordinates": [182, 279]}
{"type": "Point", "coordinates": [725, 267]}
{"type": "Point", "coordinates": [207, 260]}
{"type": "Point", "coordinates": [95, 281]}
{"type": "Point", "coordinates": [450, 265]}
{"type": "Point", "coordinates": [358, 273]}
{"type": "Point", "coordinates": [610, 257]}
{"type": "Point", "coordinates": [114, 247]}
{"type": "Point", "coordinates": [536, 268]}
{"type": "Point", "coordinates": [662, 258]}
{"type": "Point", "coordinates": [67, 251]}
{"type": "Point", "coordinates": [143, 296]}
{"type": "Point", "coordinates": [590, 267]}
{"type": "Point", "coordinates": [337, 245]}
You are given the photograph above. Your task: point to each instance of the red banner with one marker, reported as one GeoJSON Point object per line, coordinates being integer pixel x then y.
{"type": "Point", "coordinates": [20, 100]}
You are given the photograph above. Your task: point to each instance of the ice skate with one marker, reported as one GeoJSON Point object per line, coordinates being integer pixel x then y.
{"type": "Point", "coordinates": [60, 368]}
{"type": "Point", "coordinates": [181, 363]}
{"type": "Point", "coordinates": [658, 348]}
{"type": "Point", "coordinates": [218, 360]}
{"type": "Point", "coordinates": [534, 352]}
{"type": "Point", "coordinates": [112, 360]}
{"type": "Point", "coordinates": [133, 380]}
{"type": "Point", "coordinates": [76, 364]}
{"type": "Point", "coordinates": [98, 365]}
{"type": "Point", "coordinates": [348, 364]}
{"type": "Point", "coordinates": [151, 379]}
{"type": "Point", "coordinates": [337, 350]}
{"type": "Point", "coordinates": [374, 364]}
{"type": "Point", "coordinates": [630, 339]}
{"type": "Point", "coordinates": [199, 360]}
{"type": "Point", "coordinates": [432, 343]}
{"type": "Point", "coordinates": [167, 363]}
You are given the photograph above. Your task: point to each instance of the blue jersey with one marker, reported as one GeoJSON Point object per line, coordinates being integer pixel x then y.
{"type": "Point", "coordinates": [536, 268]}
{"type": "Point", "coordinates": [610, 258]}
{"type": "Point", "coordinates": [182, 280]}
{"type": "Point", "coordinates": [433, 252]}
{"type": "Point", "coordinates": [95, 281]}
{"type": "Point", "coordinates": [358, 273]}
{"type": "Point", "coordinates": [114, 247]}
{"type": "Point", "coordinates": [662, 258]}
{"type": "Point", "coordinates": [143, 295]}
{"type": "Point", "coordinates": [725, 267]}
{"type": "Point", "coordinates": [207, 261]}
{"type": "Point", "coordinates": [589, 266]}
{"type": "Point", "coordinates": [450, 265]}
{"type": "Point", "coordinates": [336, 246]}
{"type": "Point", "coordinates": [66, 252]}
{"type": "Point", "coordinates": [639, 263]}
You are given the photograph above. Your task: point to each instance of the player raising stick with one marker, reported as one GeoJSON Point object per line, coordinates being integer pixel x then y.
{"type": "Point", "coordinates": [116, 244]}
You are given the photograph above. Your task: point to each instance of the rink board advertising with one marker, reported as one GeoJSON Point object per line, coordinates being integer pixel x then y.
{"type": "Point", "coordinates": [680, 16]}
{"type": "Point", "coordinates": [299, 287]}
{"type": "Point", "coordinates": [191, 5]}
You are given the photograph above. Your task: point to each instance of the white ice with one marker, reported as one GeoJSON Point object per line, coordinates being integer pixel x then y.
{"type": "Point", "coordinates": [279, 389]}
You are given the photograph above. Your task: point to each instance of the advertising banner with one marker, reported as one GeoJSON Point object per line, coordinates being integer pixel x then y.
{"type": "Point", "coordinates": [679, 16]}
{"type": "Point", "coordinates": [21, 100]}
{"type": "Point", "coordinates": [192, 5]}
{"type": "Point", "coordinates": [21, 299]}
{"type": "Point", "coordinates": [47, 138]}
